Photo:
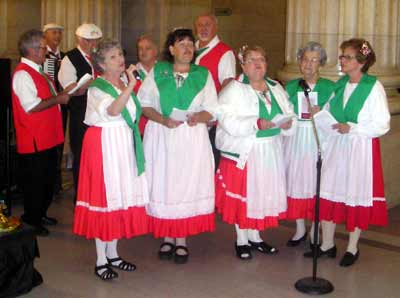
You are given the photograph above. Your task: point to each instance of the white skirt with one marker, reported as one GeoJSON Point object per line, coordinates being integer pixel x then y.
{"type": "Point", "coordinates": [300, 154]}
{"type": "Point", "coordinates": [180, 171]}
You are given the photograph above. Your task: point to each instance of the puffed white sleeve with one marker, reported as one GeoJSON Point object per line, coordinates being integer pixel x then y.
{"type": "Point", "coordinates": [287, 108]}
{"type": "Point", "coordinates": [230, 115]}
{"type": "Point", "coordinates": [210, 102]}
{"type": "Point", "coordinates": [148, 94]}
{"type": "Point", "coordinates": [374, 117]}
{"type": "Point", "coordinates": [97, 104]}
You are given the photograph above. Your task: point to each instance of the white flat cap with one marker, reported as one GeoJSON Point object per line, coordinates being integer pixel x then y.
{"type": "Point", "coordinates": [89, 31]}
{"type": "Point", "coordinates": [52, 26]}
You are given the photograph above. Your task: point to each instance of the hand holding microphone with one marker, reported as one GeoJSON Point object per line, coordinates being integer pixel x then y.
{"type": "Point", "coordinates": [132, 74]}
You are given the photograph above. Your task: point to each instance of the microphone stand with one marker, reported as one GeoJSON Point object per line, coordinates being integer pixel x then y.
{"type": "Point", "coordinates": [314, 285]}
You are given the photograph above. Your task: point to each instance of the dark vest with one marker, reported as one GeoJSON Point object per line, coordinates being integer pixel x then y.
{"type": "Point", "coordinates": [82, 67]}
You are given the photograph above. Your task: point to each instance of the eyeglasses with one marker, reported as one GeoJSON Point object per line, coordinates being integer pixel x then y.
{"type": "Point", "coordinates": [346, 57]}
{"type": "Point", "coordinates": [41, 48]}
{"type": "Point", "coordinates": [312, 60]}
{"type": "Point", "coordinates": [253, 60]}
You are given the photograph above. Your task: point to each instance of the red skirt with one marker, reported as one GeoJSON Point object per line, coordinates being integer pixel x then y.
{"type": "Point", "coordinates": [300, 208]}
{"type": "Point", "coordinates": [360, 216]}
{"type": "Point", "coordinates": [182, 227]}
{"type": "Point", "coordinates": [93, 219]}
{"type": "Point", "coordinates": [230, 198]}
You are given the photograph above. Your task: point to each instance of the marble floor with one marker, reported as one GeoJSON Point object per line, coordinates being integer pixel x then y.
{"type": "Point", "coordinates": [67, 263]}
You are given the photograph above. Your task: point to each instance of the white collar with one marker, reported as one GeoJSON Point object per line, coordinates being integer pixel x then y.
{"type": "Point", "coordinates": [32, 64]}
{"type": "Point", "coordinates": [57, 52]}
{"type": "Point", "coordinates": [213, 42]}
{"type": "Point", "coordinates": [84, 55]}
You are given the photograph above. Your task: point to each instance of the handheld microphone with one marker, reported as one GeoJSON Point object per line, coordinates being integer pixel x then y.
{"type": "Point", "coordinates": [303, 84]}
{"type": "Point", "coordinates": [136, 75]}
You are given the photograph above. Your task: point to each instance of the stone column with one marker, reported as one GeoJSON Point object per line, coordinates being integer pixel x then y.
{"type": "Point", "coordinates": [71, 13]}
{"type": "Point", "coordinates": [332, 21]}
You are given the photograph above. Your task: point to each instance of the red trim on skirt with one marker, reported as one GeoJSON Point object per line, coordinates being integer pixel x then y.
{"type": "Point", "coordinates": [183, 227]}
{"type": "Point", "coordinates": [230, 178]}
{"type": "Point", "coordinates": [359, 216]}
{"type": "Point", "coordinates": [355, 217]}
{"type": "Point", "coordinates": [103, 224]}
{"type": "Point", "coordinates": [108, 226]}
{"type": "Point", "coordinates": [300, 208]}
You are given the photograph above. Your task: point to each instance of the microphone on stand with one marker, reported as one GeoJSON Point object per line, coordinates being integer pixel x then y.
{"type": "Point", "coordinates": [313, 284]}
{"type": "Point", "coordinates": [303, 84]}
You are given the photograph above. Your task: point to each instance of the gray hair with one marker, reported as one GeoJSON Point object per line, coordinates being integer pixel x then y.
{"type": "Point", "coordinates": [207, 14]}
{"type": "Point", "coordinates": [313, 46]}
{"type": "Point", "coordinates": [29, 40]}
{"type": "Point", "coordinates": [99, 54]}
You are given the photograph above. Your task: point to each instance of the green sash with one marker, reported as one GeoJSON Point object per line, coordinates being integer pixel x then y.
{"type": "Point", "coordinates": [53, 92]}
{"type": "Point", "coordinates": [324, 88]}
{"type": "Point", "coordinates": [142, 75]}
{"type": "Point", "coordinates": [350, 112]}
{"type": "Point", "coordinates": [264, 114]}
{"type": "Point", "coordinates": [173, 97]}
{"type": "Point", "coordinates": [106, 87]}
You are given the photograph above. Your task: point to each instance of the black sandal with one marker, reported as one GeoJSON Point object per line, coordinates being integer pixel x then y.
{"type": "Point", "coordinates": [243, 252]}
{"type": "Point", "coordinates": [263, 247]}
{"type": "Point", "coordinates": [168, 254]}
{"type": "Point", "coordinates": [181, 259]}
{"type": "Point", "coordinates": [107, 274]}
{"type": "Point", "coordinates": [122, 265]}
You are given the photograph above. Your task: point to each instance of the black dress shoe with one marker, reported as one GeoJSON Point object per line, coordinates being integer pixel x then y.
{"type": "Point", "coordinates": [181, 259]}
{"type": "Point", "coordinates": [293, 243]}
{"type": "Point", "coordinates": [166, 254]}
{"type": "Point", "coordinates": [49, 221]}
{"type": "Point", "coordinates": [243, 252]}
{"type": "Point", "coordinates": [330, 253]}
{"type": "Point", "coordinates": [263, 247]}
{"type": "Point", "coordinates": [349, 259]}
{"type": "Point", "coordinates": [41, 231]}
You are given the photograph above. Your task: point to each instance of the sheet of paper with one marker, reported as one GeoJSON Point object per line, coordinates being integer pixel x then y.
{"type": "Point", "coordinates": [304, 111]}
{"type": "Point", "coordinates": [80, 83]}
{"type": "Point", "coordinates": [324, 121]}
{"type": "Point", "coordinates": [280, 119]}
{"type": "Point", "coordinates": [179, 115]}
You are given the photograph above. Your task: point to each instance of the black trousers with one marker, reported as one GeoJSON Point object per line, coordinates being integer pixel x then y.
{"type": "Point", "coordinates": [77, 131]}
{"type": "Point", "coordinates": [217, 153]}
{"type": "Point", "coordinates": [60, 149]}
{"type": "Point", "coordinates": [37, 176]}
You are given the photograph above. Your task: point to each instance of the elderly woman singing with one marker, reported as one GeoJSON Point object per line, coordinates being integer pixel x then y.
{"type": "Point", "coordinates": [300, 150]}
{"type": "Point", "coordinates": [250, 181]}
{"type": "Point", "coordinates": [112, 189]}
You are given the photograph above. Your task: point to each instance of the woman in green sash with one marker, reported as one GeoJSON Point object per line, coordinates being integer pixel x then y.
{"type": "Point", "coordinates": [250, 180]}
{"type": "Point", "coordinates": [352, 189]}
{"type": "Point", "coordinates": [113, 189]}
{"type": "Point", "coordinates": [300, 150]}
{"type": "Point", "coordinates": [179, 98]}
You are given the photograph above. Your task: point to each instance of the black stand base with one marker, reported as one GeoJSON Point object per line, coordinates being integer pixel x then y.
{"type": "Point", "coordinates": [317, 286]}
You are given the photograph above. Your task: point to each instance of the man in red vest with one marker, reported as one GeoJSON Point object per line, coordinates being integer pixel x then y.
{"type": "Point", "coordinates": [217, 57]}
{"type": "Point", "coordinates": [38, 126]}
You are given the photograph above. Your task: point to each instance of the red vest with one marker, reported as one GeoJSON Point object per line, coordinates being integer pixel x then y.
{"type": "Point", "coordinates": [36, 131]}
{"type": "Point", "coordinates": [211, 61]}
